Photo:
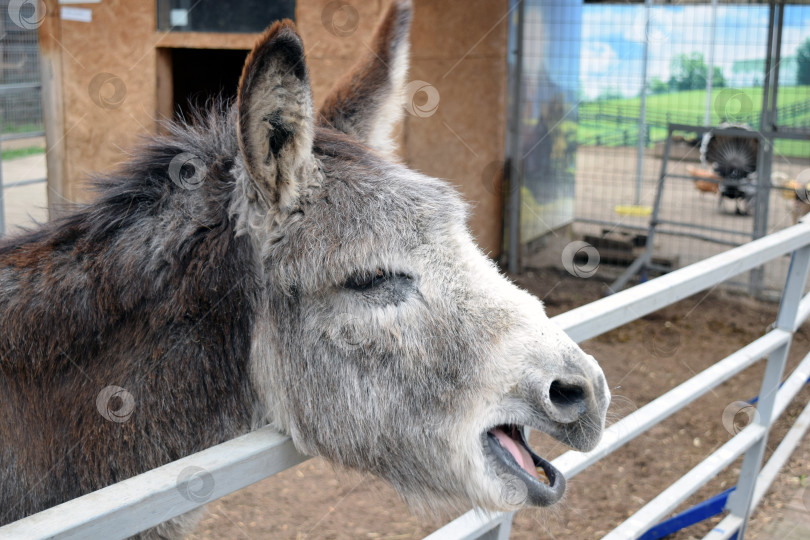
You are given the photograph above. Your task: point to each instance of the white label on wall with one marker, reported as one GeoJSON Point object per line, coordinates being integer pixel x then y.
{"type": "Point", "coordinates": [178, 17]}
{"type": "Point", "coordinates": [77, 14]}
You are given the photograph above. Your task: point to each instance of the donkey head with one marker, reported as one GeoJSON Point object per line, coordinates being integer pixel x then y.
{"type": "Point", "coordinates": [387, 342]}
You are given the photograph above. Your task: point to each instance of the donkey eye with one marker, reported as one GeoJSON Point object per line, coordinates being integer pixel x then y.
{"type": "Point", "coordinates": [364, 281]}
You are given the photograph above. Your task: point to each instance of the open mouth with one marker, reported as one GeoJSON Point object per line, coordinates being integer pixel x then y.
{"type": "Point", "coordinates": [544, 485]}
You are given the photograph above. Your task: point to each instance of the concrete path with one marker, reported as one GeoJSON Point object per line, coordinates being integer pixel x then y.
{"type": "Point", "coordinates": [794, 521]}
{"type": "Point", "coordinates": [24, 204]}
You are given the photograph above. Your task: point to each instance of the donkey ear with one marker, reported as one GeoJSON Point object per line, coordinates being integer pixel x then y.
{"type": "Point", "coordinates": [274, 108]}
{"type": "Point", "coordinates": [366, 103]}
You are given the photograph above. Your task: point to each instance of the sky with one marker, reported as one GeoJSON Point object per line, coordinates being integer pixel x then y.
{"type": "Point", "coordinates": [612, 50]}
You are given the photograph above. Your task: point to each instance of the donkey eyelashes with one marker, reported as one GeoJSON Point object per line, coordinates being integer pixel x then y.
{"type": "Point", "coordinates": [366, 281]}
{"type": "Point", "coordinates": [363, 281]}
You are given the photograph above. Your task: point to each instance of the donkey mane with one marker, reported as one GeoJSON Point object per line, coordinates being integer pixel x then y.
{"type": "Point", "coordinates": [128, 291]}
{"type": "Point", "coordinates": [180, 274]}
{"type": "Point", "coordinates": [114, 237]}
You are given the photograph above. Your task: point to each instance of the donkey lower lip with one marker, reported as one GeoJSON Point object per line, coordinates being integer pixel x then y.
{"type": "Point", "coordinates": [538, 493]}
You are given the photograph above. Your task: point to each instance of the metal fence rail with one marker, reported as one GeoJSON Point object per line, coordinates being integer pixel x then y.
{"type": "Point", "coordinates": [603, 315]}
{"type": "Point", "coordinates": [141, 502]}
{"type": "Point", "coordinates": [794, 114]}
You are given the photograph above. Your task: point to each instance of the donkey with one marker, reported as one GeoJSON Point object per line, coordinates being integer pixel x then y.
{"type": "Point", "coordinates": [267, 264]}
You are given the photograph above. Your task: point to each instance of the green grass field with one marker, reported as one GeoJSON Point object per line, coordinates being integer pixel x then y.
{"type": "Point", "coordinates": [22, 152]}
{"type": "Point", "coordinates": [614, 121]}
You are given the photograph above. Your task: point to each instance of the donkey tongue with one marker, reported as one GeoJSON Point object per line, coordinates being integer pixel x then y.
{"type": "Point", "coordinates": [517, 450]}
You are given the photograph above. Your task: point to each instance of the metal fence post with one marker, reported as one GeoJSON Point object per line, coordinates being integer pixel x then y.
{"type": "Point", "coordinates": [2, 199]}
{"type": "Point", "coordinates": [739, 503]}
{"type": "Point", "coordinates": [767, 125]}
{"type": "Point", "coordinates": [516, 159]}
{"type": "Point", "coordinates": [500, 531]}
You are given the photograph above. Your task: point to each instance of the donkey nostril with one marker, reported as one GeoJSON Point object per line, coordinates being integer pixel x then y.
{"type": "Point", "coordinates": [564, 395]}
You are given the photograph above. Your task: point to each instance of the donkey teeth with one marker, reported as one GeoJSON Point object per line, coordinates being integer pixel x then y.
{"type": "Point", "coordinates": [542, 476]}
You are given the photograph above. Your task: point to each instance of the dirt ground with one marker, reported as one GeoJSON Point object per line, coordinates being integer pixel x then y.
{"type": "Point", "coordinates": [642, 360]}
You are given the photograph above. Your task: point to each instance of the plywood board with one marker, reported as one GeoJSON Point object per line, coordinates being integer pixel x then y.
{"type": "Point", "coordinates": [109, 88]}
{"type": "Point", "coordinates": [115, 78]}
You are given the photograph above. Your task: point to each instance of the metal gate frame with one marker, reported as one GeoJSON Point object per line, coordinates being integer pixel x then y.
{"type": "Point", "coordinates": [763, 188]}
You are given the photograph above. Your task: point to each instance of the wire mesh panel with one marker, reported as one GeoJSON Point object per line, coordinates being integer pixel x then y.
{"type": "Point", "coordinates": [20, 102]}
{"type": "Point", "coordinates": [602, 81]}
{"type": "Point", "coordinates": [22, 183]}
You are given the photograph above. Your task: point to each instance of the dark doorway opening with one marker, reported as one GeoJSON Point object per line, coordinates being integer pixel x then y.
{"type": "Point", "coordinates": [189, 78]}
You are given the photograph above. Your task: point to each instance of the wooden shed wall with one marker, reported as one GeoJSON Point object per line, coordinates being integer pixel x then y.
{"type": "Point", "coordinates": [458, 47]}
